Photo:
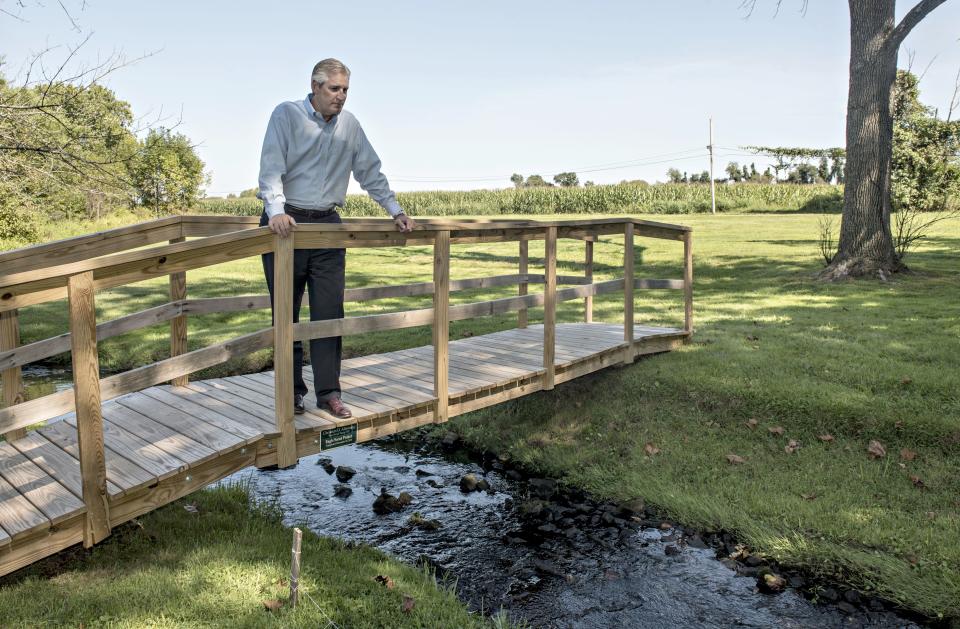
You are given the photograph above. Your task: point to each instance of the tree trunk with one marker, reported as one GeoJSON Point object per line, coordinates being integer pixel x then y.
{"type": "Point", "coordinates": [866, 244]}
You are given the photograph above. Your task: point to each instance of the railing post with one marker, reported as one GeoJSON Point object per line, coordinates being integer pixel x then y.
{"type": "Point", "coordinates": [628, 354]}
{"type": "Point", "coordinates": [178, 325]}
{"type": "Point", "coordinates": [688, 282]}
{"type": "Point", "coordinates": [549, 306]}
{"type": "Point", "coordinates": [588, 274]}
{"type": "Point", "coordinates": [524, 259]}
{"type": "Point", "coordinates": [86, 386]}
{"type": "Point", "coordinates": [441, 324]}
{"type": "Point", "coordinates": [283, 349]}
{"type": "Point", "coordinates": [12, 378]}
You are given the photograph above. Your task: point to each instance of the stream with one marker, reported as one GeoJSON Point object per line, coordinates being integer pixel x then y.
{"type": "Point", "coordinates": [550, 558]}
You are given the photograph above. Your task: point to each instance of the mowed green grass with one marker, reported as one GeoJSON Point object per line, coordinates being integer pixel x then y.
{"type": "Point", "coordinates": [217, 566]}
{"type": "Point", "coordinates": [857, 361]}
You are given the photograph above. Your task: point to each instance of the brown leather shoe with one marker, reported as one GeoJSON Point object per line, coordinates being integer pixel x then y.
{"type": "Point", "coordinates": [336, 406]}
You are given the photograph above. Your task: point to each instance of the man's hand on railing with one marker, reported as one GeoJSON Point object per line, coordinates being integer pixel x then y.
{"type": "Point", "coordinates": [404, 223]}
{"type": "Point", "coordinates": [282, 224]}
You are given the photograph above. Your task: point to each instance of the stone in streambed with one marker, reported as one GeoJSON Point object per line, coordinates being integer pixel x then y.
{"type": "Point", "coordinates": [327, 464]}
{"type": "Point", "coordinates": [542, 487]}
{"type": "Point", "coordinates": [753, 561]}
{"type": "Point", "coordinates": [404, 498]}
{"type": "Point", "coordinates": [342, 491]}
{"type": "Point", "coordinates": [345, 473]}
{"type": "Point", "coordinates": [385, 503]}
{"type": "Point", "coordinates": [468, 483]}
{"type": "Point", "coordinates": [771, 583]}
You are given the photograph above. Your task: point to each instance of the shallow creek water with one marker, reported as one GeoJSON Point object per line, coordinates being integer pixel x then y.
{"type": "Point", "coordinates": [574, 568]}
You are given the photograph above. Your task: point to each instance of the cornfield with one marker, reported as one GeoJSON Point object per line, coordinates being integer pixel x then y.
{"type": "Point", "coordinates": [613, 199]}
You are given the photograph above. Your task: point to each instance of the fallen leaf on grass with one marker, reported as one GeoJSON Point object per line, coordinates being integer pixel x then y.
{"type": "Point", "coordinates": [751, 423]}
{"type": "Point", "coordinates": [733, 459]}
{"type": "Point", "coordinates": [906, 380]}
{"type": "Point", "coordinates": [651, 449]}
{"type": "Point", "coordinates": [272, 605]}
{"type": "Point", "coordinates": [827, 438]}
{"type": "Point", "coordinates": [408, 604]}
{"type": "Point", "coordinates": [776, 430]}
{"type": "Point", "coordinates": [932, 515]}
{"type": "Point", "coordinates": [907, 454]}
{"type": "Point", "coordinates": [809, 496]}
{"type": "Point", "coordinates": [917, 482]}
{"type": "Point", "coordinates": [792, 446]}
{"type": "Point", "coordinates": [384, 580]}
{"type": "Point", "coordinates": [876, 450]}
{"type": "Point", "coordinates": [191, 508]}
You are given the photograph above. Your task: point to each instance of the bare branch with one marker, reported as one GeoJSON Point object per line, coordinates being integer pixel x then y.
{"type": "Point", "coordinates": [955, 99]}
{"type": "Point", "coordinates": [911, 19]}
{"type": "Point", "coordinates": [69, 17]}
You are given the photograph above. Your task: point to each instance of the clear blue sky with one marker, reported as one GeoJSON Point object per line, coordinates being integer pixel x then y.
{"type": "Point", "coordinates": [458, 96]}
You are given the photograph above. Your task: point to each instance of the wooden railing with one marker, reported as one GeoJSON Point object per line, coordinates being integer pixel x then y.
{"type": "Point", "coordinates": [77, 268]}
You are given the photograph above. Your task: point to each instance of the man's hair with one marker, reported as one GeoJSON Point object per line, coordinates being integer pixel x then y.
{"type": "Point", "coordinates": [323, 70]}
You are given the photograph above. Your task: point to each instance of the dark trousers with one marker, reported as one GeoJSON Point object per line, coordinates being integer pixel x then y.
{"type": "Point", "coordinates": [322, 271]}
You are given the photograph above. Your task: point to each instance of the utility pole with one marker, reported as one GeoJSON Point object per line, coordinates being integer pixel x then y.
{"type": "Point", "coordinates": [713, 190]}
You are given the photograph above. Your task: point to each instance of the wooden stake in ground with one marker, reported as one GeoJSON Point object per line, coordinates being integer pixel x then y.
{"type": "Point", "coordinates": [295, 567]}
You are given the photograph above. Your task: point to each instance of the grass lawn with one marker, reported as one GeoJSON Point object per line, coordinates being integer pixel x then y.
{"type": "Point", "coordinates": [854, 362]}
{"type": "Point", "coordinates": [218, 566]}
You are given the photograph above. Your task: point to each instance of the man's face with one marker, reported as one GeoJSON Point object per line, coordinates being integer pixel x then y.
{"type": "Point", "coordinates": [328, 99]}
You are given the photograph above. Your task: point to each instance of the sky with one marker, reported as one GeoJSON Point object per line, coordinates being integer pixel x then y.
{"type": "Point", "coordinates": [460, 96]}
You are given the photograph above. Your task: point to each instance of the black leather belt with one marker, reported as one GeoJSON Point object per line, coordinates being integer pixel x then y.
{"type": "Point", "coordinates": [301, 213]}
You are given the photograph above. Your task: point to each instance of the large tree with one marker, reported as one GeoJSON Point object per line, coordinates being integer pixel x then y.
{"type": "Point", "coordinates": [866, 246]}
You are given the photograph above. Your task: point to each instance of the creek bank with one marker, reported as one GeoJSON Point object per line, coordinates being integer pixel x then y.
{"type": "Point", "coordinates": [553, 510]}
{"type": "Point", "coordinates": [545, 553]}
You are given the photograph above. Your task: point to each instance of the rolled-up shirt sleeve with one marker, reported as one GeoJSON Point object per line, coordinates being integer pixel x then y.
{"type": "Point", "coordinates": [273, 164]}
{"type": "Point", "coordinates": [366, 169]}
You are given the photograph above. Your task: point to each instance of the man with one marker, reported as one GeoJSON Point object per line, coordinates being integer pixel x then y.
{"type": "Point", "coordinates": [310, 149]}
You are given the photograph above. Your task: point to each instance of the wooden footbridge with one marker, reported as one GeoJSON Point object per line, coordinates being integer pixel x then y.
{"type": "Point", "coordinates": [81, 461]}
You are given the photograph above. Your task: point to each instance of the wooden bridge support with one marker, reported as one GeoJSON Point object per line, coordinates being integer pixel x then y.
{"type": "Point", "coordinates": [628, 351]}
{"type": "Point", "coordinates": [522, 289]}
{"type": "Point", "coordinates": [12, 378]}
{"type": "Point", "coordinates": [441, 325]}
{"type": "Point", "coordinates": [588, 276]}
{"type": "Point", "coordinates": [178, 325]}
{"type": "Point", "coordinates": [549, 307]}
{"type": "Point", "coordinates": [688, 282]}
{"type": "Point", "coordinates": [283, 349]}
{"type": "Point", "coordinates": [86, 383]}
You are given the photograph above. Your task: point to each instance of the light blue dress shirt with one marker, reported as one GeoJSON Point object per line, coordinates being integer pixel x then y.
{"type": "Point", "coordinates": [306, 161]}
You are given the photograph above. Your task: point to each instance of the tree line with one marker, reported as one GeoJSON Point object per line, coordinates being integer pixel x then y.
{"type": "Point", "coordinates": [69, 148]}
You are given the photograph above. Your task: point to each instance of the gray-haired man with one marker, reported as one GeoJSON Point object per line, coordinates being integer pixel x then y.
{"type": "Point", "coordinates": [310, 149]}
